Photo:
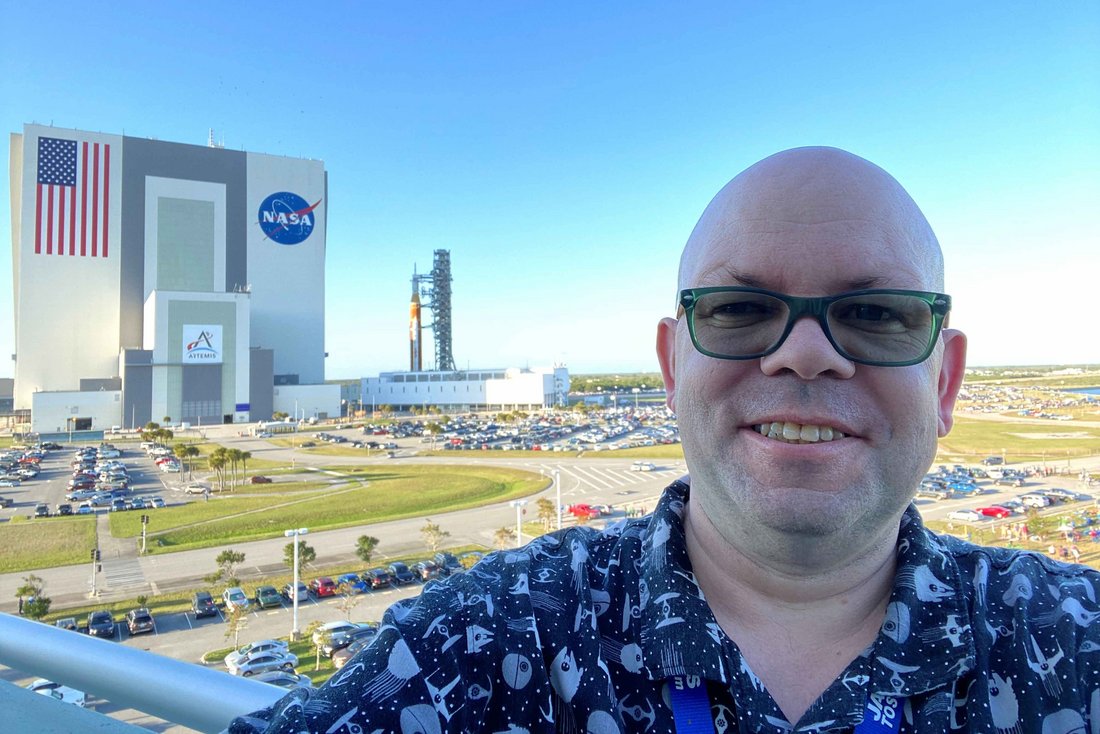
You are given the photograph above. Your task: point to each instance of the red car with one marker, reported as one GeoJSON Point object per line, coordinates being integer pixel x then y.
{"type": "Point", "coordinates": [323, 586]}
{"type": "Point", "coordinates": [995, 511]}
{"type": "Point", "coordinates": [583, 511]}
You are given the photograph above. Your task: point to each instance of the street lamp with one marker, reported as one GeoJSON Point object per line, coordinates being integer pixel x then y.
{"type": "Point", "coordinates": [295, 533]}
{"type": "Point", "coordinates": [635, 391]}
{"type": "Point", "coordinates": [557, 490]}
{"type": "Point", "coordinates": [518, 504]}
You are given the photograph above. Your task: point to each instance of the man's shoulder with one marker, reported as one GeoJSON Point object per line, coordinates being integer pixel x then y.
{"type": "Point", "coordinates": [1016, 574]}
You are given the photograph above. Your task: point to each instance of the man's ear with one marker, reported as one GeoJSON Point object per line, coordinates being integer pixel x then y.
{"type": "Point", "coordinates": [666, 355]}
{"type": "Point", "coordinates": [952, 368]}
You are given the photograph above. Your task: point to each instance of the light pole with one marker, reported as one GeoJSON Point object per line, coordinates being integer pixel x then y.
{"type": "Point", "coordinates": [518, 504]}
{"type": "Point", "coordinates": [557, 491]}
{"type": "Point", "coordinates": [635, 391]}
{"type": "Point", "coordinates": [295, 533]}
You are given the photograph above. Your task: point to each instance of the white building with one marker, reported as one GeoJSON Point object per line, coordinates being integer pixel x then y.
{"type": "Point", "coordinates": [188, 281]}
{"type": "Point", "coordinates": [468, 390]}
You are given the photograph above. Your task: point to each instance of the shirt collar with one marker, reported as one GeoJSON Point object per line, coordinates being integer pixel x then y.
{"type": "Point", "coordinates": [925, 641]}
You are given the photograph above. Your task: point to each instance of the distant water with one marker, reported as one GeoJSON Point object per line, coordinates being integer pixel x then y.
{"type": "Point", "coordinates": [1086, 390]}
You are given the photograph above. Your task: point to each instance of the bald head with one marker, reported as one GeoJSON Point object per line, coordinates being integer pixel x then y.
{"type": "Point", "coordinates": [823, 195]}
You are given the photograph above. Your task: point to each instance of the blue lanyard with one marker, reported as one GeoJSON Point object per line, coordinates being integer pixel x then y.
{"type": "Point", "coordinates": [690, 705]}
{"type": "Point", "coordinates": [691, 709]}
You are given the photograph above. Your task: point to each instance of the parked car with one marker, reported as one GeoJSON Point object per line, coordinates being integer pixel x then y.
{"type": "Point", "coordinates": [401, 573]}
{"type": "Point", "coordinates": [340, 640]}
{"type": "Point", "coordinates": [101, 624]}
{"type": "Point", "coordinates": [344, 654]}
{"type": "Point", "coordinates": [289, 591]}
{"type": "Point", "coordinates": [196, 488]}
{"type": "Point", "coordinates": [6, 502]}
{"type": "Point", "coordinates": [447, 563]}
{"type": "Point", "coordinates": [1065, 494]}
{"type": "Point", "coordinates": [262, 662]}
{"type": "Point", "coordinates": [378, 578]}
{"type": "Point", "coordinates": [140, 620]}
{"type": "Point", "coordinates": [202, 604]}
{"type": "Point", "coordinates": [66, 623]}
{"type": "Point", "coordinates": [119, 505]}
{"type": "Point", "coordinates": [322, 633]}
{"type": "Point", "coordinates": [42, 510]}
{"type": "Point", "coordinates": [10, 482]}
{"type": "Point", "coordinates": [426, 570]}
{"type": "Point", "coordinates": [931, 493]}
{"type": "Point", "coordinates": [995, 511]}
{"type": "Point", "coordinates": [255, 648]}
{"type": "Point", "coordinates": [1032, 499]}
{"type": "Point", "coordinates": [260, 480]}
{"type": "Point", "coordinates": [234, 597]}
{"type": "Point", "coordinates": [64, 509]}
{"type": "Point", "coordinates": [267, 596]}
{"type": "Point", "coordinates": [154, 502]}
{"type": "Point", "coordinates": [643, 466]}
{"type": "Point", "coordinates": [322, 586]}
{"type": "Point", "coordinates": [58, 691]}
{"type": "Point", "coordinates": [351, 581]}
{"type": "Point", "coordinates": [993, 461]}
{"type": "Point", "coordinates": [965, 515]}
{"type": "Point", "coordinates": [284, 679]}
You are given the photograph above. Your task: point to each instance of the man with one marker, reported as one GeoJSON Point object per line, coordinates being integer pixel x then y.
{"type": "Point", "coordinates": [787, 583]}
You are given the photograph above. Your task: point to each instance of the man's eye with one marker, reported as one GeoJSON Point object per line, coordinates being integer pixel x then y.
{"type": "Point", "coordinates": [739, 313]}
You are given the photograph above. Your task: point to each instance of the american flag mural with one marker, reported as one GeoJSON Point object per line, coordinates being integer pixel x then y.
{"type": "Point", "coordinates": [72, 198]}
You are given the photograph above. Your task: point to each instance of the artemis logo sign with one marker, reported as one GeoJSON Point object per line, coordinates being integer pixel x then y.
{"type": "Point", "coordinates": [202, 344]}
{"type": "Point", "coordinates": [287, 218]}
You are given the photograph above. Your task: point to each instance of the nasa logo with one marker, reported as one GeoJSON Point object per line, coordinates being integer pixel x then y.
{"type": "Point", "coordinates": [286, 218]}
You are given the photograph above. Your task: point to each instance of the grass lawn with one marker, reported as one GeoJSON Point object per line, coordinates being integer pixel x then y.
{"type": "Point", "coordinates": [385, 494]}
{"type": "Point", "coordinates": [973, 439]}
{"type": "Point", "coordinates": [45, 542]}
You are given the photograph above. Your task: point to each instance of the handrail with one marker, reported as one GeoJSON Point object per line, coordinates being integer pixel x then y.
{"type": "Point", "coordinates": [180, 692]}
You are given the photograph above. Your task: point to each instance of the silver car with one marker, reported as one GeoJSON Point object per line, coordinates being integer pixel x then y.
{"type": "Point", "coordinates": [254, 648]}
{"type": "Point", "coordinates": [262, 662]}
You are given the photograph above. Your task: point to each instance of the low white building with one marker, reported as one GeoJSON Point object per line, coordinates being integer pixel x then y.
{"type": "Point", "coordinates": [468, 390]}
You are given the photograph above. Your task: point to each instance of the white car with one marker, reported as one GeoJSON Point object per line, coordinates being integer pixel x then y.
{"type": "Point", "coordinates": [196, 489]}
{"type": "Point", "coordinates": [642, 466]}
{"type": "Point", "coordinates": [58, 691]}
{"type": "Point", "coordinates": [234, 596]}
{"type": "Point", "coordinates": [964, 515]}
{"type": "Point", "coordinates": [331, 628]}
{"type": "Point", "coordinates": [233, 659]}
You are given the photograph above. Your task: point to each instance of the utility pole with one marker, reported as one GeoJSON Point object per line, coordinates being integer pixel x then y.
{"type": "Point", "coordinates": [144, 526]}
{"type": "Point", "coordinates": [95, 566]}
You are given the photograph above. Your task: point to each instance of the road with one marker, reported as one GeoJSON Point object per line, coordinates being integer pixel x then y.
{"type": "Point", "coordinates": [125, 574]}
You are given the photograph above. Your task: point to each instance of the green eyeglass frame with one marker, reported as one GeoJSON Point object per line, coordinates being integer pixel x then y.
{"type": "Point", "coordinates": [897, 354]}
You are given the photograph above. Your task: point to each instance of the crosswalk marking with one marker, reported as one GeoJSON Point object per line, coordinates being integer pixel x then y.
{"type": "Point", "coordinates": [123, 573]}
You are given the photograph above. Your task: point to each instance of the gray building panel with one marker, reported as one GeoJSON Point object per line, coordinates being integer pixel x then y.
{"type": "Point", "coordinates": [202, 394]}
{"type": "Point", "coordinates": [137, 387]}
{"type": "Point", "coordinates": [261, 379]}
{"type": "Point", "coordinates": [180, 161]}
{"type": "Point", "coordinates": [100, 383]}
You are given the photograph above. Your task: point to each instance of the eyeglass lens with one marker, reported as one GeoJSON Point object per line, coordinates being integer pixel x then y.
{"type": "Point", "coordinates": [877, 327]}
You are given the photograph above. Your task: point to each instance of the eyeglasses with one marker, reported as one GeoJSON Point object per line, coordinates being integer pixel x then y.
{"type": "Point", "coordinates": [879, 327]}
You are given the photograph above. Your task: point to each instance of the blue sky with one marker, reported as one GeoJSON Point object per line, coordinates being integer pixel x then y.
{"type": "Point", "coordinates": [563, 151]}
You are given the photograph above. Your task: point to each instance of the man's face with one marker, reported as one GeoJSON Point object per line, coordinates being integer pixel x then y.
{"type": "Point", "coordinates": [809, 243]}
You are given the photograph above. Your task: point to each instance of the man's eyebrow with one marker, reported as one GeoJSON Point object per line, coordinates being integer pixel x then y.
{"type": "Point", "coordinates": [728, 275]}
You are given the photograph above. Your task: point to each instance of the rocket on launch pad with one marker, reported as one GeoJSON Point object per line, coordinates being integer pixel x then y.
{"type": "Point", "coordinates": [416, 351]}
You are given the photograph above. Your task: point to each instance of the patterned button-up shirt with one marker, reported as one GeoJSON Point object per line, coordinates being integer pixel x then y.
{"type": "Point", "coordinates": [581, 631]}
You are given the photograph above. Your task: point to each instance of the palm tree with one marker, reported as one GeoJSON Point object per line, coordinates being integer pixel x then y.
{"type": "Point", "coordinates": [217, 463]}
{"type": "Point", "coordinates": [245, 456]}
{"type": "Point", "coordinates": [190, 451]}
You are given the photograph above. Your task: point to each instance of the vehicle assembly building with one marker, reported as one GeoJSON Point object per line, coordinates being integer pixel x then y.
{"type": "Point", "coordinates": [153, 279]}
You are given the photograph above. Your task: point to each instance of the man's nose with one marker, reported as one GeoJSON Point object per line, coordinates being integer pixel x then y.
{"type": "Point", "coordinates": [808, 353]}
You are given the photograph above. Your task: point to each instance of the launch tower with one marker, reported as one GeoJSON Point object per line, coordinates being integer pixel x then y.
{"type": "Point", "coordinates": [436, 288]}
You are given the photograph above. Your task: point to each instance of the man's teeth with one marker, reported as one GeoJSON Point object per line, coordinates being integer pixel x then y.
{"type": "Point", "coordinates": [798, 433]}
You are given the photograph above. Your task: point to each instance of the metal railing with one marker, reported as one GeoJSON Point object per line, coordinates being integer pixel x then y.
{"type": "Point", "coordinates": [183, 693]}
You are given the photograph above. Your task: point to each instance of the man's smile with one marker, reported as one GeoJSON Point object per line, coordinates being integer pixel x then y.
{"type": "Point", "coordinates": [789, 432]}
